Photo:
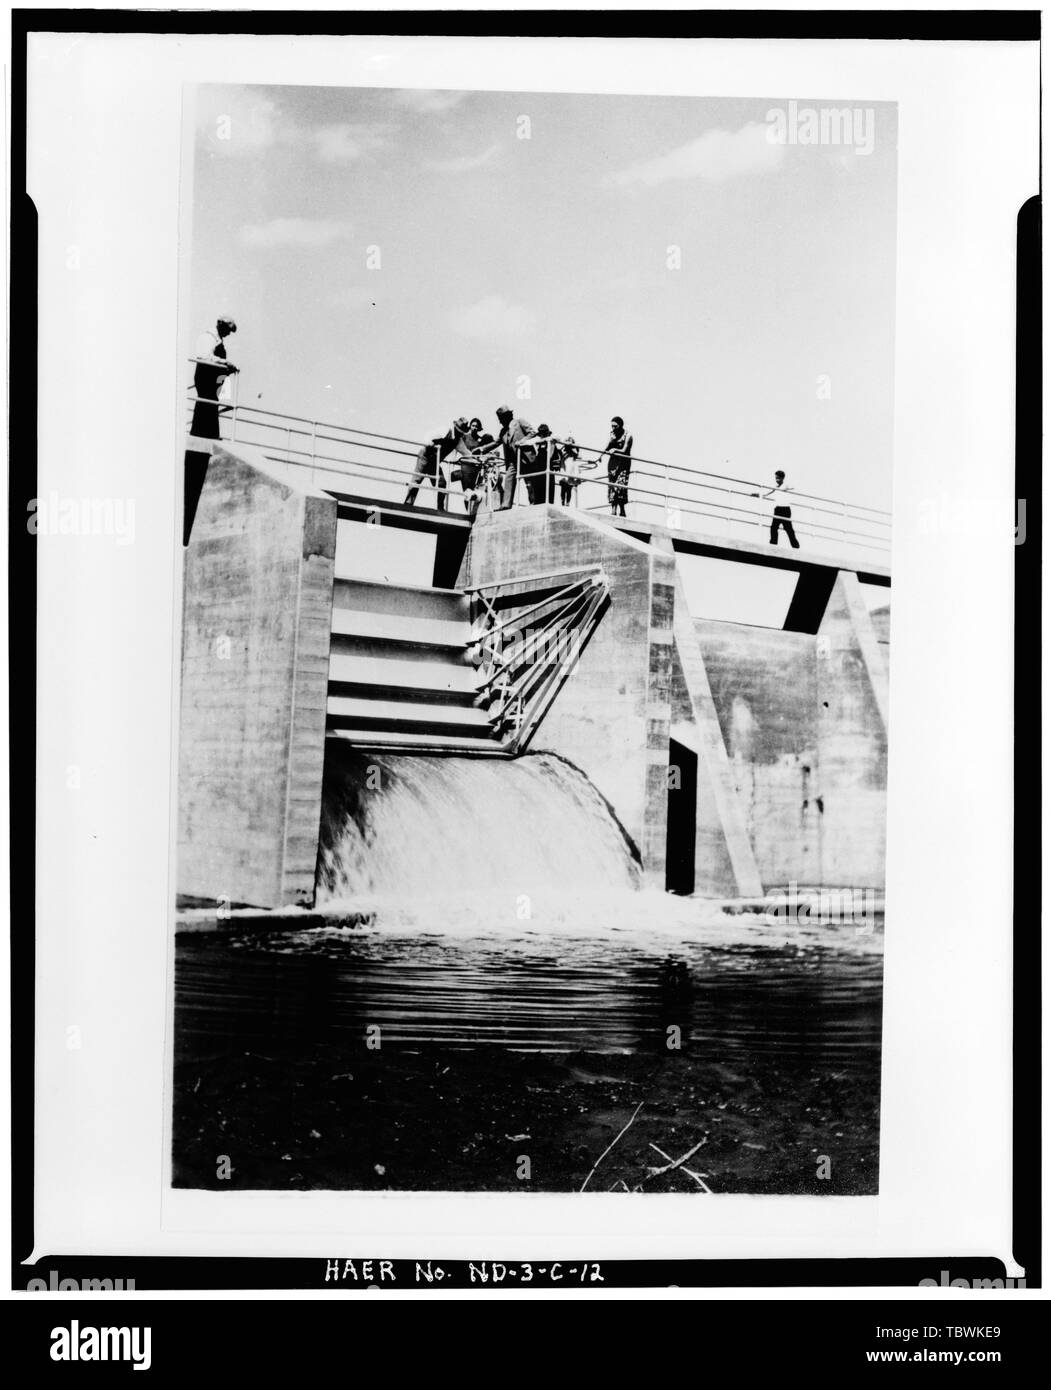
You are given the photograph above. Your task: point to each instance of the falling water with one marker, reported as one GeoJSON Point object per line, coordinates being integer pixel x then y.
{"type": "Point", "coordinates": [449, 836]}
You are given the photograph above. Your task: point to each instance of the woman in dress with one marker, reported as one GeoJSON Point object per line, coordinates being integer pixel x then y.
{"type": "Point", "coordinates": [619, 451]}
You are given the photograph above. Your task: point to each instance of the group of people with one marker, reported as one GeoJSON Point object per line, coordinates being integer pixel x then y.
{"type": "Point", "coordinates": [479, 461]}
{"type": "Point", "coordinates": [482, 462]}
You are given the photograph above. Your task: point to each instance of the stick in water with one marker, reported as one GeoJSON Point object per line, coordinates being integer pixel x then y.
{"type": "Point", "coordinates": [616, 1141]}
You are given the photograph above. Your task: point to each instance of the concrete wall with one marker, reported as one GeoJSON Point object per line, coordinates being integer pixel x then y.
{"type": "Point", "coordinates": [789, 728]}
{"type": "Point", "coordinates": [764, 686]}
{"type": "Point", "coordinates": [724, 859]}
{"type": "Point", "coordinates": [612, 718]}
{"type": "Point", "coordinates": [852, 740]}
{"type": "Point", "coordinates": [881, 626]}
{"type": "Point", "coordinates": [257, 605]}
{"type": "Point", "coordinates": [804, 723]}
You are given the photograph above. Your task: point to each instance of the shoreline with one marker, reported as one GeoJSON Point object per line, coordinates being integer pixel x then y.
{"type": "Point", "coordinates": [440, 1119]}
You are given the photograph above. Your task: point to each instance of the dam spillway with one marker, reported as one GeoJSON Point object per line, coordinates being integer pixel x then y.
{"type": "Point", "coordinates": [414, 826]}
{"type": "Point", "coordinates": [551, 674]}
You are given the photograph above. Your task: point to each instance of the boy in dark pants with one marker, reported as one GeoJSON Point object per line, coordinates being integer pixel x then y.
{"type": "Point", "coordinates": [782, 517]}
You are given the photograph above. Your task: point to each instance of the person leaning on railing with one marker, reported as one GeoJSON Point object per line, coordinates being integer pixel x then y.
{"type": "Point", "coordinates": [514, 436]}
{"type": "Point", "coordinates": [211, 370]}
{"type": "Point", "coordinates": [472, 470]}
{"type": "Point", "coordinates": [568, 469]}
{"type": "Point", "coordinates": [430, 457]}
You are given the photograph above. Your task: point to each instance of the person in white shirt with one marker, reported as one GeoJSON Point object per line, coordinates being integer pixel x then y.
{"type": "Point", "coordinates": [212, 369]}
{"type": "Point", "coordinates": [567, 464]}
{"type": "Point", "coordinates": [782, 517]}
{"type": "Point", "coordinates": [429, 461]}
{"type": "Point", "coordinates": [518, 453]}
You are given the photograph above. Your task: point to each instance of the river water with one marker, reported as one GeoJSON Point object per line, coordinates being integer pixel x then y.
{"type": "Point", "coordinates": [483, 966]}
{"type": "Point", "coordinates": [736, 987]}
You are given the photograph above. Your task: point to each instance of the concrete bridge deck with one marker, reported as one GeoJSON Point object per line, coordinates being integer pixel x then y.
{"type": "Point", "coordinates": [452, 530]}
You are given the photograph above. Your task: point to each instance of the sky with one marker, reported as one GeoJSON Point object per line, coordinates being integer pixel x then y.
{"type": "Point", "coordinates": [657, 258]}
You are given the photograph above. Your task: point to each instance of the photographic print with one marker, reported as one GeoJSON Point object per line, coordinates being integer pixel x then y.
{"type": "Point", "coordinates": [535, 641]}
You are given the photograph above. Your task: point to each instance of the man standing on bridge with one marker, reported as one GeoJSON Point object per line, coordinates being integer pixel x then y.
{"type": "Point", "coordinates": [211, 370]}
{"type": "Point", "coordinates": [782, 515]}
{"type": "Point", "coordinates": [539, 476]}
{"type": "Point", "coordinates": [429, 461]}
{"type": "Point", "coordinates": [514, 433]}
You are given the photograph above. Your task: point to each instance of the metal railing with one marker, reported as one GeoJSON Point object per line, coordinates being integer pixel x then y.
{"type": "Point", "coordinates": [669, 494]}
{"type": "Point", "coordinates": [526, 636]}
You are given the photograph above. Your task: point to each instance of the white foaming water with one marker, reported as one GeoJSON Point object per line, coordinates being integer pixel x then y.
{"type": "Point", "coordinates": [519, 851]}
{"type": "Point", "coordinates": [452, 842]}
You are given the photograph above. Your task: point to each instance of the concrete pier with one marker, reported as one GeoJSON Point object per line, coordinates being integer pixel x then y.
{"type": "Point", "coordinates": [803, 723]}
{"type": "Point", "coordinates": [257, 617]}
{"type": "Point", "coordinates": [612, 718]}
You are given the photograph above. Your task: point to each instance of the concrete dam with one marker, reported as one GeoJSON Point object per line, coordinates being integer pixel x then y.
{"type": "Point", "coordinates": [548, 709]}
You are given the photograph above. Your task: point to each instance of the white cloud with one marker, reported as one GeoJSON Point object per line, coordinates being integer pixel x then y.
{"type": "Point", "coordinates": [716, 155]}
{"type": "Point", "coordinates": [233, 121]}
{"type": "Point", "coordinates": [428, 103]}
{"type": "Point", "coordinates": [237, 122]}
{"type": "Point", "coordinates": [292, 231]}
{"type": "Point", "coordinates": [492, 317]}
{"type": "Point", "coordinates": [343, 144]}
{"type": "Point", "coordinates": [464, 163]}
